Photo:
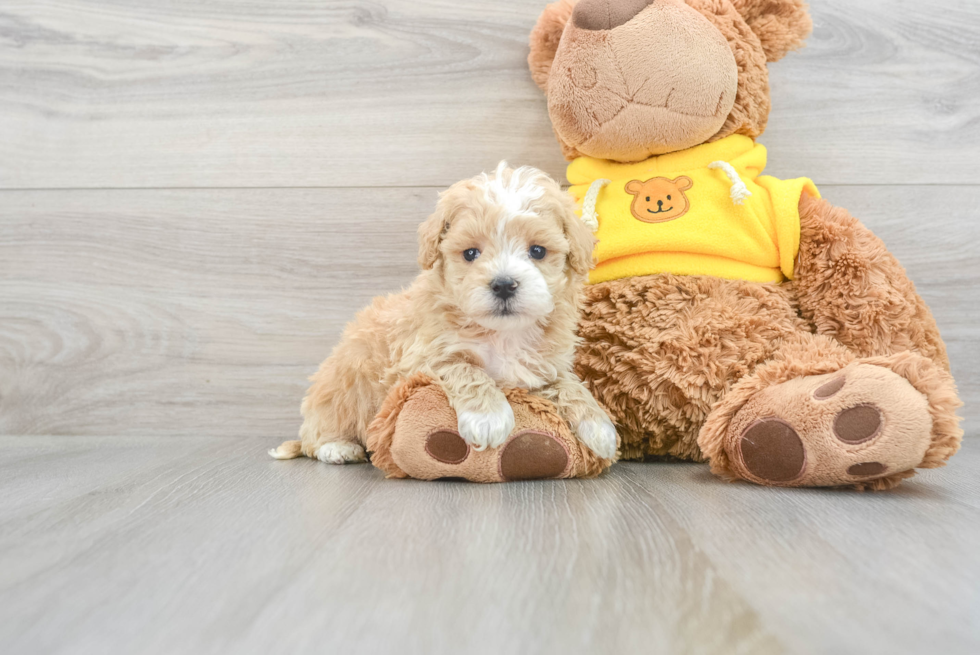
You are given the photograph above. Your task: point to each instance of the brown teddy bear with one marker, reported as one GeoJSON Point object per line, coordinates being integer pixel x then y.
{"type": "Point", "coordinates": [732, 317]}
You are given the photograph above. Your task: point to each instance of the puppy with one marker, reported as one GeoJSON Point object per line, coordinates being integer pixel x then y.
{"type": "Point", "coordinates": [504, 259]}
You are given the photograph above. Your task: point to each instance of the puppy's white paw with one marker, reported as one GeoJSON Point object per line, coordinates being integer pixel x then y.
{"type": "Point", "coordinates": [340, 452]}
{"type": "Point", "coordinates": [483, 430]}
{"type": "Point", "coordinates": [599, 435]}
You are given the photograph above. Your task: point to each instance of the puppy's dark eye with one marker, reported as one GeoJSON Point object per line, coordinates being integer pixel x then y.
{"type": "Point", "coordinates": [537, 252]}
{"type": "Point", "coordinates": [471, 254]}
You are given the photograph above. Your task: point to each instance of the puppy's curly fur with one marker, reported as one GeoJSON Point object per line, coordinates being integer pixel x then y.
{"type": "Point", "coordinates": [504, 261]}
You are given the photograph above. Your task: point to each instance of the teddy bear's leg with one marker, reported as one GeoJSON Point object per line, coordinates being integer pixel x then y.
{"type": "Point", "coordinates": [851, 288]}
{"type": "Point", "coordinates": [415, 435]}
{"type": "Point", "coordinates": [658, 352]}
{"type": "Point", "coordinates": [817, 415]}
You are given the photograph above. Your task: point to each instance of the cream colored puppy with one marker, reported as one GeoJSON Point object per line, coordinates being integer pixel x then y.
{"type": "Point", "coordinates": [504, 259]}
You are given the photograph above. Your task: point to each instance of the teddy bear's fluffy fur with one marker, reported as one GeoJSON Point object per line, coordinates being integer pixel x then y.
{"type": "Point", "coordinates": [689, 366]}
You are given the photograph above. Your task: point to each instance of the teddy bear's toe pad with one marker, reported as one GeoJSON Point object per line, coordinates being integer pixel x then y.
{"type": "Point", "coordinates": [533, 456]}
{"type": "Point", "coordinates": [772, 450]}
{"type": "Point", "coordinates": [447, 446]}
{"type": "Point", "coordinates": [858, 424]}
{"type": "Point", "coordinates": [849, 427]}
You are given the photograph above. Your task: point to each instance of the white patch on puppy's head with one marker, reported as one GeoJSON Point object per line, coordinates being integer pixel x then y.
{"type": "Point", "coordinates": [513, 192]}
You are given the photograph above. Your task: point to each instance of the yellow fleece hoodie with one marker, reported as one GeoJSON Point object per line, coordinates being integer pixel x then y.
{"type": "Point", "coordinates": [703, 211]}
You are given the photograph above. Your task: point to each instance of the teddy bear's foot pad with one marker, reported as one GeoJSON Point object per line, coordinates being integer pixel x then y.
{"type": "Point", "coordinates": [854, 426]}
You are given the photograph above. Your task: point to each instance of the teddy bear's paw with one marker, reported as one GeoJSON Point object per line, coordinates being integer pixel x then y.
{"type": "Point", "coordinates": [424, 440]}
{"type": "Point", "coordinates": [852, 427]}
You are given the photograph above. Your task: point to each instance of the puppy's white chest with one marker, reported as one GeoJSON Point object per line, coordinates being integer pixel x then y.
{"type": "Point", "coordinates": [511, 360]}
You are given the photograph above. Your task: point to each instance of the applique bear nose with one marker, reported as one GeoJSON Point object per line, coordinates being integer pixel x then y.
{"type": "Point", "coordinates": [606, 14]}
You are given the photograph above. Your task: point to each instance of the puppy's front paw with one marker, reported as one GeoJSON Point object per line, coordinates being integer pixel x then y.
{"type": "Point", "coordinates": [340, 452]}
{"type": "Point", "coordinates": [599, 435]}
{"type": "Point", "coordinates": [483, 430]}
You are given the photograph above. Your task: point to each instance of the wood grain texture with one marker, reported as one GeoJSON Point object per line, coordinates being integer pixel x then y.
{"type": "Point", "coordinates": [246, 93]}
{"type": "Point", "coordinates": [196, 197]}
{"type": "Point", "coordinates": [206, 546]}
{"type": "Point", "coordinates": [183, 312]}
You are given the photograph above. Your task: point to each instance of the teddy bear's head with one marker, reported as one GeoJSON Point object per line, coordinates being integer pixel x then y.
{"type": "Point", "coordinates": [629, 79]}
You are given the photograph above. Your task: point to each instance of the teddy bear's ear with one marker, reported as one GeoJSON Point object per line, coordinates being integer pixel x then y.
{"type": "Point", "coordinates": [781, 25]}
{"type": "Point", "coordinates": [634, 187]}
{"type": "Point", "coordinates": [545, 37]}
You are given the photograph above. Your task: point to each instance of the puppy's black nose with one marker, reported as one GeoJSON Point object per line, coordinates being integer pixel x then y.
{"type": "Point", "coordinates": [504, 287]}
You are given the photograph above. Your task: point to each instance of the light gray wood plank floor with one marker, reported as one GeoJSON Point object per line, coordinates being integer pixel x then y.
{"type": "Point", "coordinates": [186, 545]}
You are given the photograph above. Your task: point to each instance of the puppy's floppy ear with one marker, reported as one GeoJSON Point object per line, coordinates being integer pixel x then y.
{"type": "Point", "coordinates": [781, 25]}
{"type": "Point", "coordinates": [431, 232]}
{"type": "Point", "coordinates": [581, 241]}
{"type": "Point", "coordinates": [545, 38]}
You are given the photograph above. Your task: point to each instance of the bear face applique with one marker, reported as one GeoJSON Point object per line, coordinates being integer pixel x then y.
{"type": "Point", "coordinates": [659, 200]}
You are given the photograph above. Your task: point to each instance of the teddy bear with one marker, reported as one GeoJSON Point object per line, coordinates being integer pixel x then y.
{"type": "Point", "coordinates": [731, 318]}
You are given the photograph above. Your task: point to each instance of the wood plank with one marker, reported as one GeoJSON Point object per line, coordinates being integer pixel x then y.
{"type": "Point", "coordinates": [179, 312]}
{"type": "Point", "coordinates": [205, 545]}
{"type": "Point", "coordinates": [243, 93]}
{"type": "Point", "coordinates": [153, 313]}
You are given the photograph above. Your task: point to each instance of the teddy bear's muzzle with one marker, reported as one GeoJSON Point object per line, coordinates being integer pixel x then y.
{"type": "Point", "coordinates": [666, 81]}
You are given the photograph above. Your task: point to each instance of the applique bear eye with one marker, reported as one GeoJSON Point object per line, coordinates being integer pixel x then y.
{"type": "Point", "coordinates": [471, 254]}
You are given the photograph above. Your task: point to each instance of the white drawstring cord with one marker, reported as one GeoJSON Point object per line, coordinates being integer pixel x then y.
{"type": "Point", "coordinates": [739, 191]}
{"type": "Point", "coordinates": [589, 216]}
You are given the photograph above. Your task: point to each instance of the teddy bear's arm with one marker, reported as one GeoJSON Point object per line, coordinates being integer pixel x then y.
{"type": "Point", "coordinates": [850, 287]}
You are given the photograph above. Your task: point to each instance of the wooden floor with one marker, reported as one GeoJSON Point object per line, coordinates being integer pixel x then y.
{"type": "Point", "coordinates": [194, 199]}
{"type": "Point", "coordinates": [186, 545]}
